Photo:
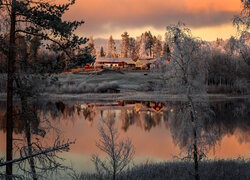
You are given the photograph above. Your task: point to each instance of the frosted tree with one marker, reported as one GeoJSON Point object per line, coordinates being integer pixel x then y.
{"type": "Point", "coordinates": [125, 45]}
{"type": "Point", "coordinates": [91, 46]}
{"type": "Point", "coordinates": [244, 47]}
{"type": "Point", "coordinates": [119, 153]}
{"type": "Point", "coordinates": [142, 50]}
{"type": "Point", "coordinates": [157, 47]}
{"type": "Point", "coordinates": [185, 75]}
{"type": "Point", "coordinates": [149, 43]}
{"type": "Point", "coordinates": [164, 48]}
{"type": "Point", "coordinates": [111, 52]}
{"type": "Point", "coordinates": [243, 20]}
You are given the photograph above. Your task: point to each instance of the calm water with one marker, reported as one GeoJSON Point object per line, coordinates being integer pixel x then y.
{"type": "Point", "coordinates": [150, 125]}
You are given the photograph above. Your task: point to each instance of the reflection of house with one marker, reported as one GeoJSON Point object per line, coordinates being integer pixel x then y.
{"type": "Point", "coordinates": [114, 63]}
{"type": "Point", "coordinates": [149, 106]}
{"type": "Point", "coordinates": [144, 114]}
{"type": "Point", "coordinates": [157, 106]}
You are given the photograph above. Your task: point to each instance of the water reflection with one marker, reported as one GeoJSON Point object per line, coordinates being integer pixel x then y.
{"type": "Point", "coordinates": [153, 126]}
{"type": "Point", "coordinates": [229, 116]}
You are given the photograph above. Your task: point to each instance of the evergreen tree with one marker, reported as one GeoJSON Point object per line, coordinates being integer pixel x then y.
{"type": "Point", "coordinates": [157, 47]}
{"type": "Point", "coordinates": [102, 54]}
{"type": "Point", "coordinates": [125, 44]}
{"type": "Point", "coordinates": [132, 49]}
{"type": "Point", "coordinates": [91, 46]}
{"type": "Point", "coordinates": [149, 43]}
{"type": "Point", "coordinates": [41, 19]}
{"type": "Point", "coordinates": [164, 48]}
{"type": "Point", "coordinates": [111, 48]}
{"type": "Point", "coordinates": [142, 50]}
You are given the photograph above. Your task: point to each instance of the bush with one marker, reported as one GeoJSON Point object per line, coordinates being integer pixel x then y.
{"type": "Point", "coordinates": [84, 87]}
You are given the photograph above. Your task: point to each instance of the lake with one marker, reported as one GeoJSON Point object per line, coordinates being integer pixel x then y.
{"type": "Point", "coordinates": [152, 127]}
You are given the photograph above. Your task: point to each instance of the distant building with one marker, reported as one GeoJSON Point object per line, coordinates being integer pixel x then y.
{"type": "Point", "coordinates": [114, 63]}
{"type": "Point", "coordinates": [145, 63]}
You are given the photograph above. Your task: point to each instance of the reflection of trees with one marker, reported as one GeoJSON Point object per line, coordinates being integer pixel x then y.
{"type": "Point", "coordinates": [31, 128]}
{"type": "Point", "coordinates": [143, 119]}
{"type": "Point", "coordinates": [19, 124]}
{"type": "Point", "coordinates": [35, 130]}
{"type": "Point", "coordinates": [181, 126]}
{"type": "Point", "coordinates": [127, 119]}
{"type": "Point", "coordinates": [230, 118]}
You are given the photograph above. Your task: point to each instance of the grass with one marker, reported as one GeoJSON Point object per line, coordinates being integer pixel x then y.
{"type": "Point", "coordinates": [209, 170]}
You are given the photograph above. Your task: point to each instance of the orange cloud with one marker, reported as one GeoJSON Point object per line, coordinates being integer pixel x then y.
{"type": "Point", "coordinates": [105, 17]}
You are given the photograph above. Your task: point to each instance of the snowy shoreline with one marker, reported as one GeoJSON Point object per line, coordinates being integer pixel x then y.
{"type": "Point", "coordinates": [133, 96]}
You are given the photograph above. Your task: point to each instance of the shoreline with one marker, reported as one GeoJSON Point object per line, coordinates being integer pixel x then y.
{"type": "Point", "coordinates": [134, 96]}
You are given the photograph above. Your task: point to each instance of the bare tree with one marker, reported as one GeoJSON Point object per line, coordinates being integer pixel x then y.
{"type": "Point", "coordinates": [119, 153]}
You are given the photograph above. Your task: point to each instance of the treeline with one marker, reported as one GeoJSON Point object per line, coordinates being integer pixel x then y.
{"type": "Point", "coordinates": [145, 46]}
{"type": "Point", "coordinates": [32, 56]}
{"type": "Point", "coordinates": [229, 66]}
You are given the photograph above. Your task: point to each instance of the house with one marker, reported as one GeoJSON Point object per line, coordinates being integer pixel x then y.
{"type": "Point", "coordinates": [114, 63]}
{"type": "Point", "coordinates": [145, 63]}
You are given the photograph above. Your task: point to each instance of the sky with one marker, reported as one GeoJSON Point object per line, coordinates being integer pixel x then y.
{"type": "Point", "coordinates": [208, 19]}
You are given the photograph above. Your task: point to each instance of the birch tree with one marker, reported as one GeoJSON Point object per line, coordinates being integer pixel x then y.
{"type": "Point", "coordinates": [243, 20]}
{"type": "Point", "coordinates": [184, 75]}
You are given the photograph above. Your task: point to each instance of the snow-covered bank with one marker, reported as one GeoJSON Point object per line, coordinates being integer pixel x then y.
{"type": "Point", "coordinates": [216, 170]}
{"type": "Point", "coordinates": [132, 95]}
{"type": "Point", "coordinates": [135, 85]}
{"type": "Point", "coordinates": [137, 96]}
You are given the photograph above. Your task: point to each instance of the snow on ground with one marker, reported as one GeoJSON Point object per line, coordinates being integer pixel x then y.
{"type": "Point", "coordinates": [132, 86]}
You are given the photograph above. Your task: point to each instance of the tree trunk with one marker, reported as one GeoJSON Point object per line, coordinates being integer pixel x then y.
{"type": "Point", "coordinates": [9, 124]}
{"type": "Point", "coordinates": [195, 154]}
{"type": "Point", "coordinates": [28, 135]}
{"type": "Point", "coordinates": [27, 121]}
{"type": "Point", "coordinates": [31, 160]}
{"type": "Point", "coordinates": [195, 149]}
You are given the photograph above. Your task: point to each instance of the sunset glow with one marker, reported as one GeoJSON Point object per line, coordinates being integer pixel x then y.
{"type": "Point", "coordinates": [124, 89]}
{"type": "Point", "coordinates": [208, 19]}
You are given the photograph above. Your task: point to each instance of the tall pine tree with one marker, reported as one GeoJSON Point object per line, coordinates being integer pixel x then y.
{"type": "Point", "coordinates": [102, 53]}
{"type": "Point", "coordinates": [111, 48]}
{"type": "Point", "coordinates": [125, 45]}
{"type": "Point", "coordinates": [41, 19]}
{"type": "Point", "coordinates": [91, 46]}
